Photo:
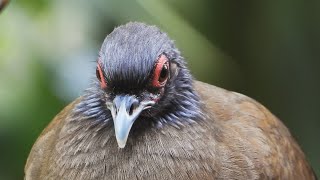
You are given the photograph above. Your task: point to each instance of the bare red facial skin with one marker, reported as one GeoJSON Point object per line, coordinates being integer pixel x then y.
{"type": "Point", "coordinates": [103, 83]}
{"type": "Point", "coordinates": [159, 81]}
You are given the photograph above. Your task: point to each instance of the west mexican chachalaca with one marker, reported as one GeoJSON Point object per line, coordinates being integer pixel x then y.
{"type": "Point", "coordinates": [179, 128]}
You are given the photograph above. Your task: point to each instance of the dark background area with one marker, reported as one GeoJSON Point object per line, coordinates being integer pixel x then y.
{"type": "Point", "coordinates": [268, 50]}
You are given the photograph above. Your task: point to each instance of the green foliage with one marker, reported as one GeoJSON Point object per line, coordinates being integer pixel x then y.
{"type": "Point", "coordinates": [34, 7]}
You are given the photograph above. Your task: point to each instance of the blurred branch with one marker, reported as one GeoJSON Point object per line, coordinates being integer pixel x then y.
{"type": "Point", "coordinates": [3, 4]}
{"type": "Point", "coordinates": [202, 54]}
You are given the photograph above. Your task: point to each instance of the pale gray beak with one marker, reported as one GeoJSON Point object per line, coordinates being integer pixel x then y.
{"type": "Point", "coordinates": [125, 109]}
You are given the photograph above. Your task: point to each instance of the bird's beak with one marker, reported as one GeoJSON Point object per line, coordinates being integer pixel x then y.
{"type": "Point", "coordinates": [125, 110]}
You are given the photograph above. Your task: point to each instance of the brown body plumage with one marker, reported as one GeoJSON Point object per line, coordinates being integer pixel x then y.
{"type": "Point", "coordinates": [238, 139]}
{"type": "Point", "coordinates": [179, 128]}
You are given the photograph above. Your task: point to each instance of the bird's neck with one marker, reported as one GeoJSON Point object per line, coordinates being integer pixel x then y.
{"type": "Point", "coordinates": [185, 105]}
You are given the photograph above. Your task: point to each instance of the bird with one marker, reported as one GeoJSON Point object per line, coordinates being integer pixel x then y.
{"type": "Point", "coordinates": [144, 116]}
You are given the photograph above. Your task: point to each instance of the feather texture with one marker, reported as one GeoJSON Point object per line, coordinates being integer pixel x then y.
{"type": "Point", "coordinates": [192, 130]}
{"type": "Point", "coordinates": [238, 139]}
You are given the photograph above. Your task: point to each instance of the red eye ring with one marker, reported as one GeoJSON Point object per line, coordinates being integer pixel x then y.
{"type": "Point", "coordinates": [100, 76]}
{"type": "Point", "coordinates": [161, 72]}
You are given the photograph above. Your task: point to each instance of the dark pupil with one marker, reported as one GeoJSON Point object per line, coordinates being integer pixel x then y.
{"type": "Point", "coordinates": [98, 74]}
{"type": "Point", "coordinates": [163, 73]}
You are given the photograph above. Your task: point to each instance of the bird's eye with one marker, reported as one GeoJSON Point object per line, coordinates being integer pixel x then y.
{"type": "Point", "coordinates": [100, 76]}
{"type": "Point", "coordinates": [161, 72]}
{"type": "Point", "coordinates": [164, 73]}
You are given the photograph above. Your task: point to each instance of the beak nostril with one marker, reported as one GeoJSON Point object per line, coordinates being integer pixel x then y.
{"type": "Point", "coordinates": [133, 107]}
{"type": "Point", "coordinates": [131, 110]}
{"type": "Point", "coordinates": [116, 110]}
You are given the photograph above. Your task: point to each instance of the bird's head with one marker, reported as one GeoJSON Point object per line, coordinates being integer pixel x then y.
{"type": "Point", "coordinates": [140, 73]}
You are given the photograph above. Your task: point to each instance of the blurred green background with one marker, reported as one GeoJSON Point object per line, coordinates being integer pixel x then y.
{"type": "Point", "coordinates": [268, 50]}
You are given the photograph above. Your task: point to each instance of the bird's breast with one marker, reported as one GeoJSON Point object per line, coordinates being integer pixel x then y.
{"type": "Point", "coordinates": [166, 153]}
